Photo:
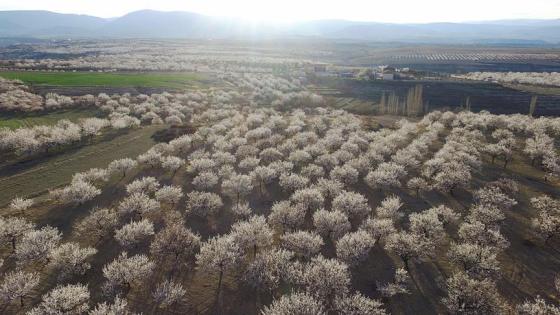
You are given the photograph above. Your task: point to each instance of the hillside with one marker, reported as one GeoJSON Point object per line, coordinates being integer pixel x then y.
{"type": "Point", "coordinates": [158, 24]}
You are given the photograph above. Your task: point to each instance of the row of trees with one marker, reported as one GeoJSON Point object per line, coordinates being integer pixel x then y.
{"type": "Point", "coordinates": [536, 78]}
{"type": "Point", "coordinates": [140, 55]}
{"type": "Point", "coordinates": [321, 227]}
{"type": "Point", "coordinates": [43, 138]}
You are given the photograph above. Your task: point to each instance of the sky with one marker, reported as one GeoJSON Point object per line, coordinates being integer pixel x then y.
{"type": "Point", "coordinates": [394, 11]}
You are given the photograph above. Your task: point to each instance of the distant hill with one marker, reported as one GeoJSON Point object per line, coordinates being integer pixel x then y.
{"type": "Point", "coordinates": [45, 23]}
{"type": "Point", "coordinates": [157, 24]}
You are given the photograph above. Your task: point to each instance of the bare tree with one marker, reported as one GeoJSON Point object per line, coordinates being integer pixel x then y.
{"type": "Point", "coordinates": [292, 182]}
{"type": "Point", "coordinates": [295, 303]}
{"type": "Point", "coordinates": [270, 155]}
{"type": "Point", "coordinates": [470, 296]}
{"type": "Point", "coordinates": [308, 198]}
{"type": "Point", "coordinates": [345, 174]}
{"type": "Point", "coordinates": [478, 233]}
{"type": "Point", "coordinates": [354, 247]}
{"type": "Point", "coordinates": [398, 286]}
{"type": "Point", "coordinates": [313, 172]}
{"type": "Point", "coordinates": [137, 205]}
{"type": "Point", "coordinates": [486, 214]}
{"type": "Point", "coordinates": [36, 245]}
{"type": "Point", "coordinates": [453, 175]}
{"type": "Point", "coordinates": [538, 146]}
{"type": "Point", "coordinates": [118, 307]}
{"type": "Point", "coordinates": [268, 270]}
{"type": "Point", "coordinates": [151, 157]}
{"type": "Point", "coordinates": [537, 307]}
{"type": "Point", "coordinates": [20, 205]}
{"type": "Point", "coordinates": [12, 230]}
{"type": "Point", "coordinates": [357, 304]}
{"type": "Point", "coordinates": [218, 254]}
{"type": "Point", "coordinates": [418, 185]}
{"type": "Point", "coordinates": [71, 299]}
{"type": "Point", "coordinates": [237, 187]}
{"type": "Point", "coordinates": [252, 234]}
{"type": "Point", "coordinates": [124, 272]}
{"type": "Point", "coordinates": [304, 244]}
{"type": "Point", "coordinates": [389, 208]}
{"type": "Point", "coordinates": [18, 285]}
{"type": "Point", "coordinates": [168, 294]}
{"type": "Point", "coordinates": [203, 203]}
{"type": "Point", "coordinates": [331, 224]}
{"type": "Point", "coordinates": [78, 192]}
{"type": "Point", "coordinates": [123, 166]}
{"type": "Point", "coordinates": [387, 175]}
{"type": "Point", "coordinates": [145, 185]}
{"type": "Point", "coordinates": [175, 242]}
{"type": "Point", "coordinates": [379, 229]}
{"type": "Point", "coordinates": [263, 175]}
{"type": "Point", "coordinates": [407, 246]}
{"type": "Point", "coordinates": [427, 225]}
{"type": "Point", "coordinates": [354, 205]}
{"type": "Point", "coordinates": [547, 222]}
{"type": "Point", "coordinates": [494, 197]}
{"type": "Point", "coordinates": [286, 216]}
{"type": "Point", "coordinates": [249, 164]}
{"type": "Point", "coordinates": [477, 261]}
{"type": "Point", "coordinates": [326, 279]}
{"type": "Point", "coordinates": [205, 181]}
{"type": "Point", "coordinates": [99, 223]}
{"type": "Point", "coordinates": [134, 233]}
{"type": "Point", "coordinates": [169, 194]}
{"type": "Point", "coordinates": [69, 259]}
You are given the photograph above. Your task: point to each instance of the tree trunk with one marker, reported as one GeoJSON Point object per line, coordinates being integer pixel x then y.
{"type": "Point", "coordinates": [219, 295]}
{"type": "Point", "coordinates": [407, 268]}
{"type": "Point", "coordinates": [174, 266]}
{"type": "Point", "coordinates": [257, 299]}
{"type": "Point", "coordinates": [126, 289]}
{"type": "Point", "coordinates": [154, 308]}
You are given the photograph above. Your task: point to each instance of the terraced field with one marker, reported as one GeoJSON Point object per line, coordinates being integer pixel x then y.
{"type": "Point", "coordinates": [444, 95]}
{"type": "Point", "coordinates": [35, 178]}
{"type": "Point", "coordinates": [13, 121]}
{"type": "Point", "coordinates": [140, 79]}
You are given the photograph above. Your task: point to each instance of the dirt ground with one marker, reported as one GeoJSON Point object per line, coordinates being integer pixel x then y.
{"type": "Point", "coordinates": [528, 266]}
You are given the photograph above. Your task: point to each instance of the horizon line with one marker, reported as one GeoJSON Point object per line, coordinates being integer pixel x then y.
{"type": "Point", "coordinates": [280, 21]}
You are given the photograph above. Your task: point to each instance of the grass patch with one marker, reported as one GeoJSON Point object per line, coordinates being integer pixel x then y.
{"type": "Point", "coordinates": [19, 120]}
{"type": "Point", "coordinates": [143, 79]}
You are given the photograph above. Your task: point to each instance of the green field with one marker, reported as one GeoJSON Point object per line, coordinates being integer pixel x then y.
{"type": "Point", "coordinates": [155, 80]}
{"type": "Point", "coordinates": [14, 121]}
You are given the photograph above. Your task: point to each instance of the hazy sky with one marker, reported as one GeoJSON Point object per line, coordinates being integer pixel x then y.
{"type": "Point", "coordinates": [398, 11]}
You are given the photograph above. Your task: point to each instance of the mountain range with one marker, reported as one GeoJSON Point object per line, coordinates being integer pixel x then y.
{"type": "Point", "coordinates": [158, 24]}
